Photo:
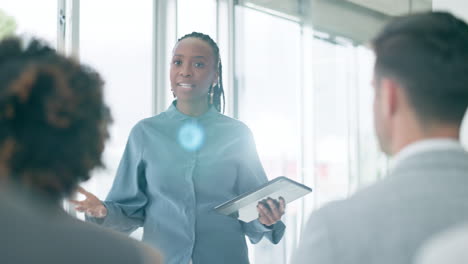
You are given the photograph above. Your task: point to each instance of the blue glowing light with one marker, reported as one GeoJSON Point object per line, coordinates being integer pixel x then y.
{"type": "Point", "coordinates": [191, 136]}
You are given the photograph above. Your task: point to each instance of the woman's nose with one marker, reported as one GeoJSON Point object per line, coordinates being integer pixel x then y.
{"type": "Point", "coordinates": [186, 71]}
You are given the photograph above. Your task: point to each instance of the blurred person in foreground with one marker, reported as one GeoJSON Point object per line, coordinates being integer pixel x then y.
{"type": "Point", "coordinates": [53, 124]}
{"type": "Point", "coordinates": [421, 95]}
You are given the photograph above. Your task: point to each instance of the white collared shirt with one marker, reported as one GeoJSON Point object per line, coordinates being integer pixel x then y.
{"type": "Point", "coordinates": [425, 146]}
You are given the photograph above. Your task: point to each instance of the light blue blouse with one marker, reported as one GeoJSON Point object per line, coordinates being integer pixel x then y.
{"type": "Point", "coordinates": [174, 171]}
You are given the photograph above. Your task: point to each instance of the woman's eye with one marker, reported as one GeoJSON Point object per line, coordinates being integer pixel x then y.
{"type": "Point", "coordinates": [177, 62]}
{"type": "Point", "coordinates": [199, 64]}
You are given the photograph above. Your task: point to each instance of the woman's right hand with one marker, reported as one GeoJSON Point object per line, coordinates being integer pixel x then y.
{"type": "Point", "coordinates": [91, 206]}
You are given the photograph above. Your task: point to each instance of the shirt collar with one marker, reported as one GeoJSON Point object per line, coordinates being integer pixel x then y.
{"type": "Point", "coordinates": [173, 113]}
{"type": "Point", "coordinates": [424, 146]}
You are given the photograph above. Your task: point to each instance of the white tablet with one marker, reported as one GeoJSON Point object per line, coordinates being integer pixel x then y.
{"type": "Point", "coordinates": [244, 206]}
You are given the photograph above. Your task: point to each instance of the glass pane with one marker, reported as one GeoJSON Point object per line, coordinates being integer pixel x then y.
{"type": "Point", "coordinates": [29, 21]}
{"type": "Point", "coordinates": [268, 76]}
{"type": "Point", "coordinates": [347, 155]}
{"type": "Point", "coordinates": [331, 86]}
{"type": "Point", "coordinates": [119, 45]}
{"type": "Point", "coordinates": [372, 162]}
{"type": "Point", "coordinates": [199, 16]}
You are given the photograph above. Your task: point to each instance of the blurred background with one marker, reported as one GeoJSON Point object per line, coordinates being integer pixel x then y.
{"type": "Point", "coordinates": [297, 72]}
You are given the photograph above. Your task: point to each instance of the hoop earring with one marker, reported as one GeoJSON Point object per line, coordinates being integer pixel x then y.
{"type": "Point", "coordinates": [211, 93]}
{"type": "Point", "coordinates": [211, 97]}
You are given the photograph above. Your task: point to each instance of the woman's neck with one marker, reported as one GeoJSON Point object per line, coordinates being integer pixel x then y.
{"type": "Point", "coordinates": [193, 108]}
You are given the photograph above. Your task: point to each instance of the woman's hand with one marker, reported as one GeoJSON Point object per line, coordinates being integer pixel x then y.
{"type": "Point", "coordinates": [91, 206]}
{"type": "Point", "coordinates": [270, 210]}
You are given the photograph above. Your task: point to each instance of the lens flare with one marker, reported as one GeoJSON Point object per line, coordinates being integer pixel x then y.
{"type": "Point", "coordinates": [191, 136]}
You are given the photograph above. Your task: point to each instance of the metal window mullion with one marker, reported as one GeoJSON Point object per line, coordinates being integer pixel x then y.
{"type": "Point", "coordinates": [61, 25]}
{"type": "Point", "coordinates": [359, 172]}
{"type": "Point", "coordinates": [159, 54]}
{"type": "Point", "coordinates": [75, 29]}
{"type": "Point", "coordinates": [68, 25]}
{"type": "Point", "coordinates": [60, 46]}
{"type": "Point", "coordinates": [354, 142]}
{"type": "Point", "coordinates": [233, 88]}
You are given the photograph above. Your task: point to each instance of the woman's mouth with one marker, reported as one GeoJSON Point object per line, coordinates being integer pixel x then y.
{"type": "Point", "coordinates": [186, 85]}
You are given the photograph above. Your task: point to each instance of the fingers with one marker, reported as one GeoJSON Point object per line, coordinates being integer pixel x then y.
{"type": "Point", "coordinates": [99, 212]}
{"type": "Point", "coordinates": [80, 209]}
{"type": "Point", "coordinates": [271, 210]}
{"type": "Point", "coordinates": [274, 205]}
{"type": "Point", "coordinates": [84, 192]}
{"type": "Point", "coordinates": [80, 206]}
{"type": "Point", "coordinates": [282, 206]}
{"type": "Point", "coordinates": [80, 203]}
{"type": "Point", "coordinates": [75, 202]}
{"type": "Point", "coordinates": [93, 212]}
{"type": "Point", "coordinates": [102, 212]}
{"type": "Point", "coordinates": [264, 214]}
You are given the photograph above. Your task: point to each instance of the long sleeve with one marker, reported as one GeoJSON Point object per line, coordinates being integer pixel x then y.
{"type": "Point", "coordinates": [127, 199]}
{"type": "Point", "coordinates": [252, 175]}
{"type": "Point", "coordinates": [256, 231]}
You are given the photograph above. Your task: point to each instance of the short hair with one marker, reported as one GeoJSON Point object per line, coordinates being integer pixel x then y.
{"type": "Point", "coordinates": [428, 54]}
{"type": "Point", "coordinates": [52, 117]}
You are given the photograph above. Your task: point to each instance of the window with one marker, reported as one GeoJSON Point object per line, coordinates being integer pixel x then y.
{"type": "Point", "coordinates": [268, 83]}
{"type": "Point", "coordinates": [332, 92]}
{"type": "Point", "coordinates": [29, 21]}
{"type": "Point", "coordinates": [371, 160]}
{"type": "Point", "coordinates": [118, 44]}
{"type": "Point", "coordinates": [346, 153]}
{"type": "Point", "coordinates": [199, 16]}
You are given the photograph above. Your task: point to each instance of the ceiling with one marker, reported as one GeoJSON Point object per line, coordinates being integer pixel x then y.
{"type": "Point", "coordinates": [394, 7]}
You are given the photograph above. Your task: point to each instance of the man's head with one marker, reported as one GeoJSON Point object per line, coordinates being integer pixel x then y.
{"type": "Point", "coordinates": [420, 78]}
{"type": "Point", "coordinates": [52, 117]}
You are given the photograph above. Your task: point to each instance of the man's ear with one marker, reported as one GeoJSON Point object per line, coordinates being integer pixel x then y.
{"type": "Point", "coordinates": [390, 96]}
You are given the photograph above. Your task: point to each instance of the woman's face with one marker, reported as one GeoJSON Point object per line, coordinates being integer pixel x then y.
{"type": "Point", "coordinates": [193, 70]}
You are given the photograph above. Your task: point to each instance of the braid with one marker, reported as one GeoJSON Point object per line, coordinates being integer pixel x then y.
{"type": "Point", "coordinates": [217, 90]}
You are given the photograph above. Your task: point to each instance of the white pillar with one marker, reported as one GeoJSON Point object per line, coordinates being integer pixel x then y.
{"type": "Point", "coordinates": [460, 9]}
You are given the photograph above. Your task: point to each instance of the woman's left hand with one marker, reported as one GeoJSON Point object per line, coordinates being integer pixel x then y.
{"type": "Point", "coordinates": [270, 210]}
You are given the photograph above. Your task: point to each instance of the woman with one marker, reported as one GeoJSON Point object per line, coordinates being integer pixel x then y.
{"type": "Point", "coordinates": [180, 164]}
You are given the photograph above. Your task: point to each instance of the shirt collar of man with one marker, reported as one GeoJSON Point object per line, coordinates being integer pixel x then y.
{"type": "Point", "coordinates": [424, 146]}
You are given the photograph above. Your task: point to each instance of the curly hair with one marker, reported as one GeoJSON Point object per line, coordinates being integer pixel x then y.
{"type": "Point", "coordinates": [52, 116]}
